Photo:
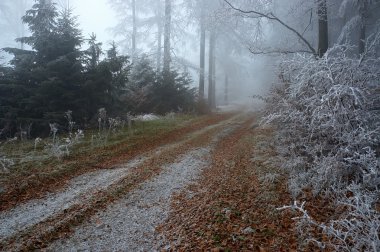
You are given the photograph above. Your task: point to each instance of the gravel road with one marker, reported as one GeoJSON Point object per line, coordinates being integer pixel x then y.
{"type": "Point", "coordinates": [129, 223]}
{"type": "Point", "coordinates": [78, 190]}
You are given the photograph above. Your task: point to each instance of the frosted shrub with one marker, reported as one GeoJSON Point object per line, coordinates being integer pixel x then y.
{"type": "Point", "coordinates": [328, 116]}
{"type": "Point", "coordinates": [328, 125]}
{"type": "Point", "coordinates": [356, 229]}
{"type": "Point", "coordinates": [61, 147]}
{"type": "Point", "coordinates": [106, 126]}
{"type": "Point", "coordinates": [79, 135]}
{"type": "Point", "coordinates": [5, 163]}
{"type": "Point", "coordinates": [114, 124]}
{"type": "Point", "coordinates": [53, 130]}
{"type": "Point", "coordinates": [37, 141]}
{"type": "Point", "coordinates": [69, 118]}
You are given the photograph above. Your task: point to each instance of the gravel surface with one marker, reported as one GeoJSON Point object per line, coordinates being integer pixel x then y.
{"type": "Point", "coordinates": [78, 190]}
{"type": "Point", "coordinates": [129, 225]}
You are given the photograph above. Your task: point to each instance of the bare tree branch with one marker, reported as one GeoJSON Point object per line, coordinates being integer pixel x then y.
{"type": "Point", "coordinates": [310, 21]}
{"type": "Point", "coordinates": [277, 51]}
{"type": "Point", "coordinates": [271, 16]}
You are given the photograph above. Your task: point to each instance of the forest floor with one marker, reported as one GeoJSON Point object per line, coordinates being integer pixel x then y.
{"type": "Point", "coordinates": [208, 186]}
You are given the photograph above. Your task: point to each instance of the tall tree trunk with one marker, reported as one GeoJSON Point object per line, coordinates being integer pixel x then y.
{"type": "Point", "coordinates": [167, 33]}
{"type": "Point", "coordinates": [211, 77]}
{"type": "Point", "coordinates": [226, 84]}
{"type": "Point", "coordinates": [323, 37]}
{"type": "Point", "coordinates": [134, 31]}
{"type": "Point", "coordinates": [21, 9]}
{"type": "Point", "coordinates": [159, 35]}
{"type": "Point", "coordinates": [202, 57]}
{"type": "Point", "coordinates": [362, 36]}
{"type": "Point", "coordinates": [214, 76]}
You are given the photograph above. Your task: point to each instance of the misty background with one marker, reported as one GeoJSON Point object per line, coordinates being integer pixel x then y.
{"type": "Point", "coordinates": [250, 74]}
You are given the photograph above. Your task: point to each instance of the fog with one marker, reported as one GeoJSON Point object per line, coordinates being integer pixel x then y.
{"type": "Point", "coordinates": [247, 47]}
{"type": "Point", "coordinates": [95, 16]}
{"type": "Point", "coordinates": [252, 75]}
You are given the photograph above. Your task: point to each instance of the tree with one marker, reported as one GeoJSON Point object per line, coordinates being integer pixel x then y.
{"type": "Point", "coordinates": [363, 12]}
{"type": "Point", "coordinates": [47, 78]}
{"type": "Point", "coordinates": [172, 93]}
{"type": "Point", "coordinates": [119, 67]}
{"type": "Point", "coordinates": [167, 35]}
{"type": "Point", "coordinates": [323, 37]}
{"type": "Point", "coordinates": [93, 53]}
{"type": "Point", "coordinates": [134, 32]}
{"type": "Point", "coordinates": [141, 15]}
{"type": "Point", "coordinates": [198, 11]}
{"type": "Point", "coordinates": [255, 14]}
{"type": "Point", "coordinates": [41, 20]}
{"type": "Point", "coordinates": [158, 92]}
{"type": "Point", "coordinates": [226, 87]}
{"type": "Point", "coordinates": [361, 18]}
{"type": "Point", "coordinates": [142, 79]}
{"type": "Point", "coordinates": [159, 24]}
{"type": "Point", "coordinates": [211, 72]}
{"type": "Point", "coordinates": [202, 57]}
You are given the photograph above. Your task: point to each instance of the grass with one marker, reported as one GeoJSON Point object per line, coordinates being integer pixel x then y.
{"type": "Point", "coordinates": [35, 168]}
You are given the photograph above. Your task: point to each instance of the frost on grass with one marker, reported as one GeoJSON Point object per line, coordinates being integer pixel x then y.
{"type": "Point", "coordinates": [328, 117]}
{"type": "Point", "coordinates": [5, 163]}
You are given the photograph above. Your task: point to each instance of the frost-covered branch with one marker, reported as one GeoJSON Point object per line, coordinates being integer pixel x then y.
{"type": "Point", "coordinates": [273, 17]}
{"type": "Point", "coordinates": [328, 132]}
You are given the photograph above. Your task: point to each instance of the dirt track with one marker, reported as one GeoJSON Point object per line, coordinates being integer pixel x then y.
{"type": "Point", "coordinates": [117, 209]}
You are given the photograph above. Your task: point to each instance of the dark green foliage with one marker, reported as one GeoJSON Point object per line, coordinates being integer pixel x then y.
{"type": "Point", "coordinates": [142, 79]}
{"type": "Point", "coordinates": [160, 93]}
{"type": "Point", "coordinates": [56, 76]}
{"type": "Point", "coordinates": [105, 84]}
{"type": "Point", "coordinates": [172, 93]}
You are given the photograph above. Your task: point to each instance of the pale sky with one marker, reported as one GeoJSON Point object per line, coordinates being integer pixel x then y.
{"type": "Point", "coordinates": [95, 16]}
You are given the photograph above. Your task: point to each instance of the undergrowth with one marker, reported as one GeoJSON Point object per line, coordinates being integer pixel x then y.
{"type": "Point", "coordinates": [328, 126]}
{"type": "Point", "coordinates": [41, 161]}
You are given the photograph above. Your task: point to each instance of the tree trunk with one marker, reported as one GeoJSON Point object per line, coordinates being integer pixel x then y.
{"type": "Point", "coordinates": [226, 84]}
{"type": "Point", "coordinates": [134, 31]}
{"type": "Point", "coordinates": [22, 8]}
{"type": "Point", "coordinates": [167, 33]}
{"type": "Point", "coordinates": [211, 80]}
{"type": "Point", "coordinates": [159, 36]}
{"type": "Point", "coordinates": [323, 37]}
{"type": "Point", "coordinates": [362, 36]}
{"type": "Point", "coordinates": [214, 75]}
{"type": "Point", "coordinates": [202, 57]}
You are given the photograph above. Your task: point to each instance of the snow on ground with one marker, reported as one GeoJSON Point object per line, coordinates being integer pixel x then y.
{"type": "Point", "coordinates": [147, 117]}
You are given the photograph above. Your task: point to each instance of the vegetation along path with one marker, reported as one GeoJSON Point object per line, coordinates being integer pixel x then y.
{"type": "Point", "coordinates": [203, 190]}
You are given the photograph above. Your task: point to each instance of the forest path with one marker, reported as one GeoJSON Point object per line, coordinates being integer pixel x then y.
{"type": "Point", "coordinates": [140, 191]}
